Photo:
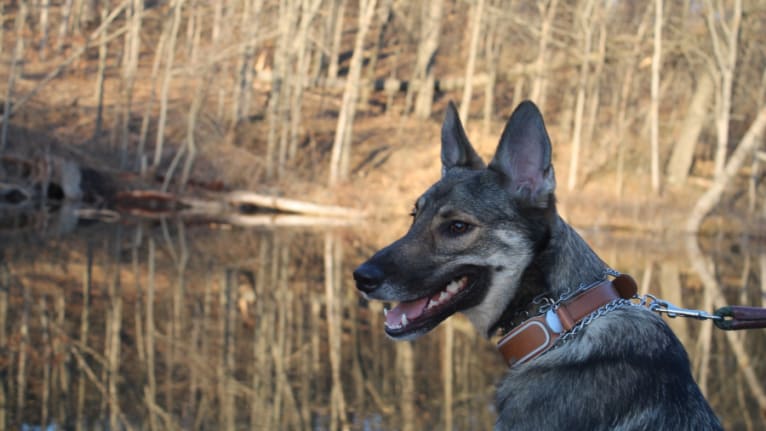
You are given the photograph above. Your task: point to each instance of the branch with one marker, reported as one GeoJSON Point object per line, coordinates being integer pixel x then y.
{"type": "Point", "coordinates": [712, 196]}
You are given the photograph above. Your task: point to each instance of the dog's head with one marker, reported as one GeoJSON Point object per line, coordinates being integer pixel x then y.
{"type": "Point", "coordinates": [474, 232]}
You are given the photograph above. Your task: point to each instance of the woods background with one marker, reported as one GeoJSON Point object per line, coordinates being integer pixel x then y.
{"type": "Point", "coordinates": [655, 109]}
{"type": "Point", "coordinates": [294, 95]}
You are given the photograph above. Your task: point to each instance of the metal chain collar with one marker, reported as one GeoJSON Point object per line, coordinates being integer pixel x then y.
{"type": "Point", "coordinates": [601, 311]}
{"type": "Point", "coordinates": [647, 301]}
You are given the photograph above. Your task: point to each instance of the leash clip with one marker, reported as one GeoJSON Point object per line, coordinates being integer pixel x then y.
{"type": "Point", "coordinates": [661, 306]}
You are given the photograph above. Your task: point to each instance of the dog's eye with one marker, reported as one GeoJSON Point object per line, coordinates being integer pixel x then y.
{"type": "Point", "coordinates": [458, 227]}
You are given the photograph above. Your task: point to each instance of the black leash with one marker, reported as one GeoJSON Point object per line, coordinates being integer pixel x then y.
{"type": "Point", "coordinates": [735, 317]}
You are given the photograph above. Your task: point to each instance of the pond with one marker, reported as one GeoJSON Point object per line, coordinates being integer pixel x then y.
{"type": "Point", "coordinates": [177, 325]}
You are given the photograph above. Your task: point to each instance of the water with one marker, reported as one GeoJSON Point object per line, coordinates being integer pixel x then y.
{"type": "Point", "coordinates": [167, 325]}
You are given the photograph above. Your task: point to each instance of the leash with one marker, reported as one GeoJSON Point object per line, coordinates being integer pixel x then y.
{"type": "Point", "coordinates": [561, 319]}
{"type": "Point", "coordinates": [729, 318]}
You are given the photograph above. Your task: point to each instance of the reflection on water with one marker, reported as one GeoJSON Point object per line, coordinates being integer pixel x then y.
{"type": "Point", "coordinates": [168, 326]}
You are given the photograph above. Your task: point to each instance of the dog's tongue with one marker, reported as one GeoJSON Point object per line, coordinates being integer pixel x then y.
{"type": "Point", "coordinates": [412, 310]}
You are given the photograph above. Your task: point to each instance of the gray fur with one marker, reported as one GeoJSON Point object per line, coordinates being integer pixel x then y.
{"type": "Point", "coordinates": [498, 228]}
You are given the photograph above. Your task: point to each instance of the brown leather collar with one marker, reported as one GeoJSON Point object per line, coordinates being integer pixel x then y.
{"type": "Point", "coordinates": [538, 334]}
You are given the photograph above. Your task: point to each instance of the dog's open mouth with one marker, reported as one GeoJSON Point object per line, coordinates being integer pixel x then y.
{"type": "Point", "coordinates": [425, 313]}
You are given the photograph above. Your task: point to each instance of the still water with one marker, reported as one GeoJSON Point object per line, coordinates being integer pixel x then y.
{"type": "Point", "coordinates": [172, 325]}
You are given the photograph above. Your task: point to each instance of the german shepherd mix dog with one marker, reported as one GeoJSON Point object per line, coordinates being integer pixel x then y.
{"type": "Point", "coordinates": [487, 241]}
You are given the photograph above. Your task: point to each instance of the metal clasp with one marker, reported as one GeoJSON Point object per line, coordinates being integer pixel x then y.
{"type": "Point", "coordinates": [661, 306]}
{"type": "Point", "coordinates": [543, 302]}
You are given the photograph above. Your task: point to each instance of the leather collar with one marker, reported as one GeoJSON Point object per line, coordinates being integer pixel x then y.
{"type": "Point", "coordinates": [538, 334]}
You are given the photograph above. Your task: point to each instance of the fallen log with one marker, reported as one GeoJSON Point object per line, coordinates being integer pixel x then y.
{"type": "Point", "coordinates": [244, 198]}
{"type": "Point", "coordinates": [284, 220]}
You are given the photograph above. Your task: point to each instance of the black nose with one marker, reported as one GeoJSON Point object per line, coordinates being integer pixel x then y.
{"type": "Point", "coordinates": [368, 277]}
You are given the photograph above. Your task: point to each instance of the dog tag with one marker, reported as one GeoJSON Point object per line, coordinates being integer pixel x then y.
{"type": "Point", "coordinates": [553, 321]}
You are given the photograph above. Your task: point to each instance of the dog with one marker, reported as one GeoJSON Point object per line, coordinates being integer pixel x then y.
{"type": "Point", "coordinates": [488, 242]}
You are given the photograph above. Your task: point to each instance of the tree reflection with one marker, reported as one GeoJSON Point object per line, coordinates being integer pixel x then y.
{"type": "Point", "coordinates": [169, 326]}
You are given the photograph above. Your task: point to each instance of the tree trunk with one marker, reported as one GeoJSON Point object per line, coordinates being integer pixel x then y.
{"type": "Point", "coordinates": [547, 15]}
{"type": "Point", "coordinates": [165, 90]}
{"type": "Point", "coordinates": [141, 158]}
{"type": "Point", "coordinates": [16, 62]}
{"type": "Point", "coordinates": [625, 95]}
{"type": "Point", "coordinates": [465, 103]}
{"type": "Point", "coordinates": [309, 10]}
{"type": "Point", "coordinates": [350, 95]}
{"type": "Point", "coordinates": [654, 110]}
{"type": "Point", "coordinates": [45, 6]}
{"type": "Point", "coordinates": [335, 30]}
{"type": "Point", "coordinates": [594, 89]}
{"type": "Point", "coordinates": [250, 24]}
{"type": "Point", "coordinates": [683, 151]}
{"type": "Point", "coordinates": [387, 16]}
{"type": "Point", "coordinates": [2, 29]}
{"type": "Point", "coordinates": [275, 113]}
{"type": "Point", "coordinates": [492, 47]}
{"type": "Point", "coordinates": [102, 53]}
{"type": "Point", "coordinates": [726, 60]}
{"type": "Point", "coordinates": [130, 67]}
{"type": "Point", "coordinates": [586, 21]}
{"type": "Point", "coordinates": [429, 43]}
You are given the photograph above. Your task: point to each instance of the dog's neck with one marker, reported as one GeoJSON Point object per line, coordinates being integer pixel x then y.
{"type": "Point", "coordinates": [563, 263]}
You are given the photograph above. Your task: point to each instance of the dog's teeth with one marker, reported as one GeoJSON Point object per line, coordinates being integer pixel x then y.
{"type": "Point", "coordinates": [404, 320]}
{"type": "Point", "coordinates": [392, 326]}
{"type": "Point", "coordinates": [443, 296]}
{"type": "Point", "coordinates": [431, 304]}
{"type": "Point", "coordinates": [453, 288]}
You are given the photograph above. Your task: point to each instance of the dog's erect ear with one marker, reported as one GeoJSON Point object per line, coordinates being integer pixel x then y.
{"type": "Point", "coordinates": [523, 156]}
{"type": "Point", "coordinates": [456, 149]}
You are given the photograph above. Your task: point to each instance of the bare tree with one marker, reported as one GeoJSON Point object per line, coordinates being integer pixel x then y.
{"type": "Point", "coordinates": [2, 27]}
{"type": "Point", "coordinates": [101, 77]}
{"type": "Point", "coordinates": [334, 30]}
{"type": "Point", "coordinates": [18, 54]}
{"type": "Point", "coordinates": [250, 24]}
{"type": "Point", "coordinates": [166, 79]}
{"type": "Point", "coordinates": [547, 11]}
{"type": "Point", "coordinates": [66, 13]}
{"type": "Point", "coordinates": [492, 47]}
{"type": "Point", "coordinates": [309, 9]}
{"type": "Point", "coordinates": [585, 22]}
{"type": "Point", "coordinates": [45, 6]}
{"type": "Point", "coordinates": [280, 88]}
{"type": "Point", "coordinates": [654, 111]}
{"type": "Point", "coordinates": [465, 104]}
{"type": "Point", "coordinates": [626, 88]}
{"type": "Point", "coordinates": [129, 71]}
{"type": "Point", "coordinates": [429, 43]}
{"type": "Point", "coordinates": [350, 95]}
{"type": "Point", "coordinates": [694, 121]}
{"type": "Point", "coordinates": [724, 37]}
